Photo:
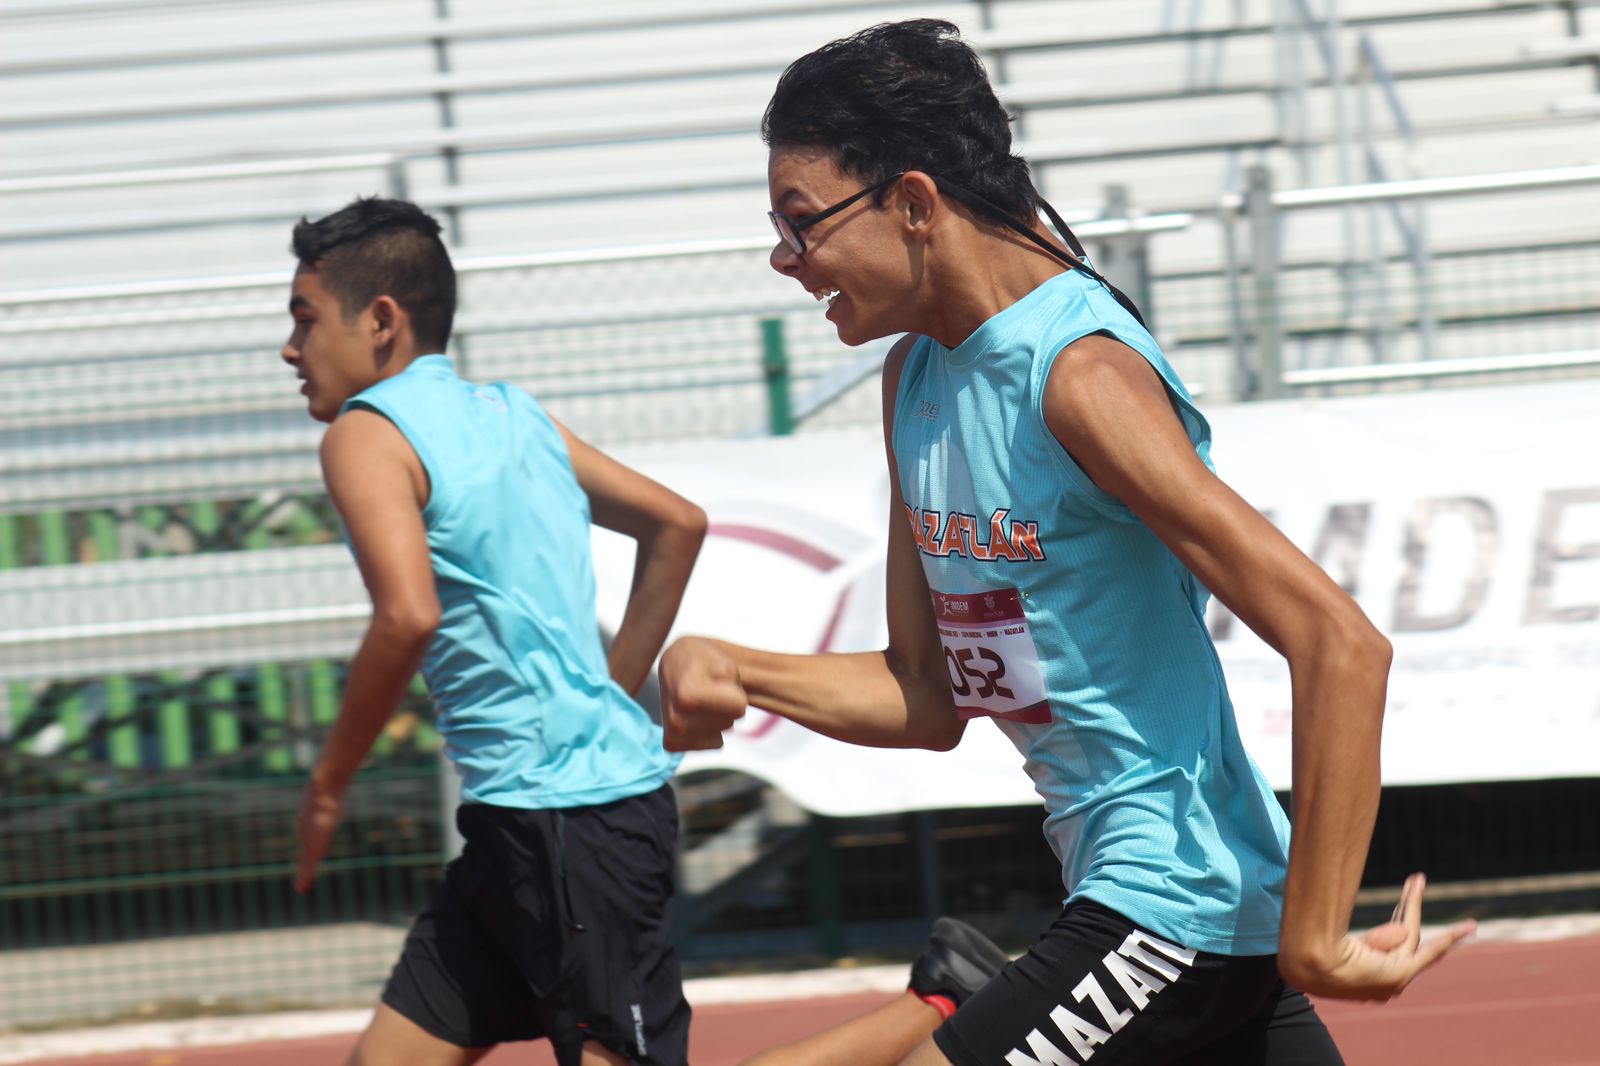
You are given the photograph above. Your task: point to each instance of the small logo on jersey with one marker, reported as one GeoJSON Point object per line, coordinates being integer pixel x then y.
{"type": "Point", "coordinates": [488, 396]}
{"type": "Point", "coordinates": [1002, 537]}
{"type": "Point", "coordinates": [927, 409]}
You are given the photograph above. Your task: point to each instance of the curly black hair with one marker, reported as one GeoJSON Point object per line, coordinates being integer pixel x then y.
{"type": "Point", "coordinates": [903, 96]}
{"type": "Point", "coordinates": [379, 247]}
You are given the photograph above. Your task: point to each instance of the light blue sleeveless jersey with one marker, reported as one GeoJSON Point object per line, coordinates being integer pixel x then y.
{"type": "Point", "coordinates": [1072, 625]}
{"type": "Point", "coordinates": [528, 710]}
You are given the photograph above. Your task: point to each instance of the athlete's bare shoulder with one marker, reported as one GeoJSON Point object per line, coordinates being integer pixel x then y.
{"type": "Point", "coordinates": [360, 440]}
{"type": "Point", "coordinates": [893, 364]}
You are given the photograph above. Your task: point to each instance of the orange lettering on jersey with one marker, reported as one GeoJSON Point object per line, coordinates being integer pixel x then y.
{"type": "Point", "coordinates": [950, 543]}
{"type": "Point", "coordinates": [916, 527]}
{"type": "Point", "coordinates": [999, 543]}
{"type": "Point", "coordinates": [975, 548]}
{"type": "Point", "coordinates": [1025, 540]}
{"type": "Point", "coordinates": [939, 534]}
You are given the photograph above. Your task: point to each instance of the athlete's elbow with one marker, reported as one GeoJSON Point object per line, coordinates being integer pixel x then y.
{"type": "Point", "coordinates": [1360, 644]}
{"type": "Point", "coordinates": [681, 530]}
{"type": "Point", "coordinates": [691, 521]}
{"type": "Point", "coordinates": [408, 624]}
{"type": "Point", "coordinates": [946, 741]}
{"type": "Point", "coordinates": [941, 733]}
{"type": "Point", "coordinates": [1345, 642]}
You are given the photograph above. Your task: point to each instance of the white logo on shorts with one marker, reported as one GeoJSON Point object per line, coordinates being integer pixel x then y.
{"type": "Point", "coordinates": [638, 1028]}
{"type": "Point", "coordinates": [1137, 983]}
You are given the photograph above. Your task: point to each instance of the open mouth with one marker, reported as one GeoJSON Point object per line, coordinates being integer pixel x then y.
{"type": "Point", "coordinates": [829, 295]}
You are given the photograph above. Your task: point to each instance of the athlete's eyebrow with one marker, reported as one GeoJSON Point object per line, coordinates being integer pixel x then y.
{"type": "Point", "coordinates": [298, 303]}
{"type": "Point", "coordinates": [788, 195]}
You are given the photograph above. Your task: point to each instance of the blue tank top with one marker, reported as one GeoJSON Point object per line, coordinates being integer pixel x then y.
{"type": "Point", "coordinates": [529, 713]}
{"type": "Point", "coordinates": [1067, 621]}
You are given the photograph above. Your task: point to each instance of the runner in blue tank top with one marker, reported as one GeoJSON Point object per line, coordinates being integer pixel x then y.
{"type": "Point", "coordinates": [468, 510]}
{"type": "Point", "coordinates": [1056, 531]}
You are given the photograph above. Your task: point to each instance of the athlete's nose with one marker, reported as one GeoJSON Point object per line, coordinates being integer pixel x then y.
{"type": "Point", "coordinates": [784, 259]}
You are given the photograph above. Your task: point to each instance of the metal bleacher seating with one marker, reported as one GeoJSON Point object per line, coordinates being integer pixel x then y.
{"type": "Point", "coordinates": [541, 132]}
{"type": "Point", "coordinates": [602, 184]}
{"type": "Point", "coordinates": [599, 173]}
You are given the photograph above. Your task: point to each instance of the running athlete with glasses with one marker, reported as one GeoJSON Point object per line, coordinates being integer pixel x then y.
{"type": "Point", "coordinates": [1056, 532]}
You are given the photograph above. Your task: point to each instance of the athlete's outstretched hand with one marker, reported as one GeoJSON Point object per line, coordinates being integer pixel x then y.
{"type": "Point", "coordinates": [701, 694]}
{"type": "Point", "coordinates": [1381, 962]}
{"type": "Point", "coordinates": [320, 811]}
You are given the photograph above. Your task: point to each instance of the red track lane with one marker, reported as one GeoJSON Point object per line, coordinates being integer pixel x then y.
{"type": "Point", "coordinates": [1527, 1004]}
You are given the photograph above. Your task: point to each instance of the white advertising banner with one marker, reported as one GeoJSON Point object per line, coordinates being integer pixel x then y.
{"type": "Point", "coordinates": [1465, 521]}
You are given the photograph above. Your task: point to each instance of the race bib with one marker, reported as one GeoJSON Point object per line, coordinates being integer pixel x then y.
{"type": "Point", "coordinates": [989, 652]}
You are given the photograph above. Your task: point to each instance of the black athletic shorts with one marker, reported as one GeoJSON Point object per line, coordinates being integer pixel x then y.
{"type": "Point", "coordinates": [553, 923]}
{"type": "Point", "coordinates": [1097, 988]}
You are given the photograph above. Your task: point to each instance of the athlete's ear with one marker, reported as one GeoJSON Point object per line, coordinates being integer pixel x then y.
{"type": "Point", "coordinates": [919, 197]}
{"type": "Point", "coordinates": [385, 318]}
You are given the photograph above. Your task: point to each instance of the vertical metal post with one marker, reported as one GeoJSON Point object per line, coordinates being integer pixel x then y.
{"type": "Point", "coordinates": [775, 367]}
{"type": "Point", "coordinates": [1354, 294]}
{"type": "Point", "coordinates": [1422, 269]}
{"type": "Point", "coordinates": [1291, 87]}
{"type": "Point", "coordinates": [1228, 219]}
{"type": "Point", "coordinates": [452, 162]}
{"type": "Point", "coordinates": [827, 909]}
{"type": "Point", "coordinates": [1333, 55]}
{"type": "Point", "coordinates": [1381, 327]}
{"type": "Point", "coordinates": [399, 184]}
{"type": "Point", "coordinates": [1266, 379]}
{"type": "Point", "coordinates": [924, 833]}
{"type": "Point", "coordinates": [1574, 22]}
{"type": "Point", "coordinates": [1336, 86]}
{"type": "Point", "coordinates": [1125, 259]}
{"type": "Point", "coordinates": [447, 117]}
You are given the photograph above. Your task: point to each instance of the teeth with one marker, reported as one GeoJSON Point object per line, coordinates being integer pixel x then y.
{"type": "Point", "coordinates": [829, 295]}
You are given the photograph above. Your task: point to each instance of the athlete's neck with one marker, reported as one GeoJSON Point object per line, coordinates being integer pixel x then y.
{"type": "Point", "coordinates": [975, 276]}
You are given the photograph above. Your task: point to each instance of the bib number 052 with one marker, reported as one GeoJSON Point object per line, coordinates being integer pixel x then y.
{"type": "Point", "coordinates": [990, 655]}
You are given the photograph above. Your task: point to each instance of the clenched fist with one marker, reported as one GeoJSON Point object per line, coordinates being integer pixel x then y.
{"type": "Point", "coordinates": [701, 694]}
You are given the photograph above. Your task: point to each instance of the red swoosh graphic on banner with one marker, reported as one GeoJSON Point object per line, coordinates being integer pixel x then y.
{"type": "Point", "coordinates": [797, 549]}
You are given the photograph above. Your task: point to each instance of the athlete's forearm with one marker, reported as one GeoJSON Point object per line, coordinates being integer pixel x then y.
{"type": "Point", "coordinates": [1339, 693]}
{"type": "Point", "coordinates": [380, 673]}
{"type": "Point", "coordinates": [860, 698]}
{"type": "Point", "coordinates": [660, 576]}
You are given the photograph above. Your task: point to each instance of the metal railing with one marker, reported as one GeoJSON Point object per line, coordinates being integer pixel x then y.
{"type": "Point", "coordinates": [426, 31]}
{"type": "Point", "coordinates": [1261, 372]}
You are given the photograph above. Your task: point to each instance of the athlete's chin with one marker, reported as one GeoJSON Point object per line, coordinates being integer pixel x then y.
{"type": "Point", "coordinates": [854, 333]}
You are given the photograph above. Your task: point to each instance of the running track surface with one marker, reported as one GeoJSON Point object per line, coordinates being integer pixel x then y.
{"type": "Point", "coordinates": [1527, 1004]}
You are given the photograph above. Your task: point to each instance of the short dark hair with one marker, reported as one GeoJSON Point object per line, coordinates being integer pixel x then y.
{"type": "Point", "coordinates": [903, 96]}
{"type": "Point", "coordinates": [377, 247]}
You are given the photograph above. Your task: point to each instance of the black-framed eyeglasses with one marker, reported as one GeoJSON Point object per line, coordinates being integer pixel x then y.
{"type": "Point", "coordinates": [792, 230]}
